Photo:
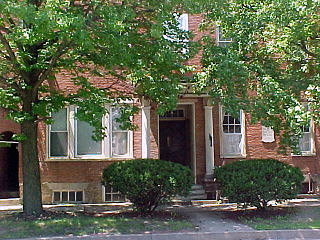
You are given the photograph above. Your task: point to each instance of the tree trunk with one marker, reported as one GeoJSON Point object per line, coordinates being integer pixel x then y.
{"type": "Point", "coordinates": [32, 201]}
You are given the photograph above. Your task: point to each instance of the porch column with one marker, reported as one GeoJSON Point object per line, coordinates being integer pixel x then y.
{"type": "Point", "coordinates": [209, 140]}
{"type": "Point", "coordinates": [145, 131]}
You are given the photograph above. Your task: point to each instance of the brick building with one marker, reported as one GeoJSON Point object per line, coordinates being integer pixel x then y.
{"type": "Point", "coordinates": [197, 133]}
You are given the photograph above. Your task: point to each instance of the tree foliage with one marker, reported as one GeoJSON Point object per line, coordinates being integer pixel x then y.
{"type": "Point", "coordinates": [40, 39]}
{"type": "Point", "coordinates": [271, 66]}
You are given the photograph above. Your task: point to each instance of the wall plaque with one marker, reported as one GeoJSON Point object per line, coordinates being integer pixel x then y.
{"type": "Point", "coordinates": [267, 134]}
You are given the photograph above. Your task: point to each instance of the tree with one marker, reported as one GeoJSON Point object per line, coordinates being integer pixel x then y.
{"type": "Point", "coordinates": [124, 39]}
{"type": "Point", "coordinates": [271, 66]}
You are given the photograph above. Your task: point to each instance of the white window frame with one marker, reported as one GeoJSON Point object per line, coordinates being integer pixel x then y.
{"type": "Point", "coordinates": [112, 193]}
{"type": "Point", "coordinates": [184, 18]}
{"type": "Point", "coordinates": [75, 142]}
{"type": "Point", "coordinates": [48, 140]}
{"type": "Point", "coordinates": [242, 154]}
{"type": "Point", "coordinates": [219, 42]}
{"type": "Point", "coordinates": [312, 151]}
{"type": "Point", "coordinates": [183, 24]}
{"type": "Point", "coordinates": [72, 142]}
{"type": "Point", "coordinates": [129, 139]}
{"type": "Point", "coordinates": [68, 191]}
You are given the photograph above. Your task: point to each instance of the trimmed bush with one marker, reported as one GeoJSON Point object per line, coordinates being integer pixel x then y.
{"type": "Point", "coordinates": [258, 181]}
{"type": "Point", "coordinates": [147, 183]}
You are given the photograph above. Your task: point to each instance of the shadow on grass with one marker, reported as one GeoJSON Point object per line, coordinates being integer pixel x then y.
{"type": "Point", "coordinates": [276, 218]}
{"type": "Point", "coordinates": [58, 223]}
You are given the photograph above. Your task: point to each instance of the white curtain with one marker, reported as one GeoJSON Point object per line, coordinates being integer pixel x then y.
{"type": "Point", "coordinates": [232, 143]}
{"type": "Point", "coordinates": [120, 143]}
{"type": "Point", "coordinates": [305, 142]}
{"type": "Point", "coordinates": [119, 136]}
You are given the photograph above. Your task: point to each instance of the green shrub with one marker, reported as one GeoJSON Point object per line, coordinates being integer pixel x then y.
{"type": "Point", "coordinates": [255, 182]}
{"type": "Point", "coordinates": [147, 183]}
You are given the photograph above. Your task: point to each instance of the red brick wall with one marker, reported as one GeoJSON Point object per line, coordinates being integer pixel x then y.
{"type": "Point", "coordinates": [255, 148]}
{"type": "Point", "coordinates": [194, 21]}
{"type": "Point", "coordinates": [7, 125]}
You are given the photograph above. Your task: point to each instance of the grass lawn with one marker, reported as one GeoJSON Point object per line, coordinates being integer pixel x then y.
{"type": "Point", "coordinates": [61, 224]}
{"type": "Point", "coordinates": [278, 218]}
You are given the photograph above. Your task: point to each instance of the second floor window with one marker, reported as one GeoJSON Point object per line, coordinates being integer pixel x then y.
{"type": "Point", "coordinates": [221, 40]}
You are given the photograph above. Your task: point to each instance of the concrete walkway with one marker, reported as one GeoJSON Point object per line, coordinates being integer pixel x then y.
{"type": "Point", "coordinates": [205, 219]}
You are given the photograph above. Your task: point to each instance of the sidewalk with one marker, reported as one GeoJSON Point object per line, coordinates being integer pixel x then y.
{"type": "Point", "coordinates": [252, 235]}
{"type": "Point", "coordinates": [208, 225]}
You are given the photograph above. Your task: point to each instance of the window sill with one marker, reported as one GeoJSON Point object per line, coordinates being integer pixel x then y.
{"type": "Point", "coordinates": [87, 159]}
{"type": "Point", "coordinates": [304, 154]}
{"type": "Point", "coordinates": [234, 156]}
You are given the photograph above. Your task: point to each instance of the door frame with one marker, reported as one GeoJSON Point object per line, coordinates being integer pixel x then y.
{"type": "Point", "coordinates": [192, 142]}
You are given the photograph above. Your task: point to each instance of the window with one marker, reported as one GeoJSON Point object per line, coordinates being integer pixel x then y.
{"type": "Point", "coordinates": [71, 138]}
{"type": "Point", "coordinates": [221, 40]}
{"type": "Point", "coordinates": [59, 134]}
{"type": "Point", "coordinates": [85, 145]}
{"type": "Point", "coordinates": [120, 137]}
{"type": "Point", "coordinates": [306, 142]}
{"type": "Point", "coordinates": [67, 196]}
{"type": "Point", "coordinates": [183, 22]}
{"type": "Point", "coordinates": [111, 194]}
{"type": "Point", "coordinates": [176, 114]}
{"type": "Point", "coordinates": [171, 33]}
{"type": "Point", "coordinates": [232, 134]}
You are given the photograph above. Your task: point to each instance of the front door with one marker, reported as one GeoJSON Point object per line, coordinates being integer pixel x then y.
{"type": "Point", "coordinates": [174, 142]}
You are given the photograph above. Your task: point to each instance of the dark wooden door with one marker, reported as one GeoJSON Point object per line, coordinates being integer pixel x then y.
{"type": "Point", "coordinates": [174, 142]}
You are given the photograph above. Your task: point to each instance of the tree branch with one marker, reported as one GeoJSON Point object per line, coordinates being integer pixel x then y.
{"type": "Point", "coordinates": [5, 56]}
{"type": "Point", "coordinates": [6, 30]}
{"type": "Point", "coordinates": [305, 49]}
{"type": "Point", "coordinates": [60, 51]}
{"type": "Point", "coordinates": [12, 56]}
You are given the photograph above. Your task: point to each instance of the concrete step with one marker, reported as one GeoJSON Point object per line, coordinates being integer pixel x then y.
{"type": "Point", "coordinates": [196, 187]}
{"type": "Point", "coordinates": [198, 192]}
{"type": "Point", "coordinates": [198, 196]}
{"type": "Point", "coordinates": [10, 201]}
{"type": "Point", "coordinates": [306, 196]}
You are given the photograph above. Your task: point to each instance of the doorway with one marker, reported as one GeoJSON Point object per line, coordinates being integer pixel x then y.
{"type": "Point", "coordinates": [176, 136]}
{"type": "Point", "coordinates": [9, 166]}
{"type": "Point", "coordinates": [174, 142]}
